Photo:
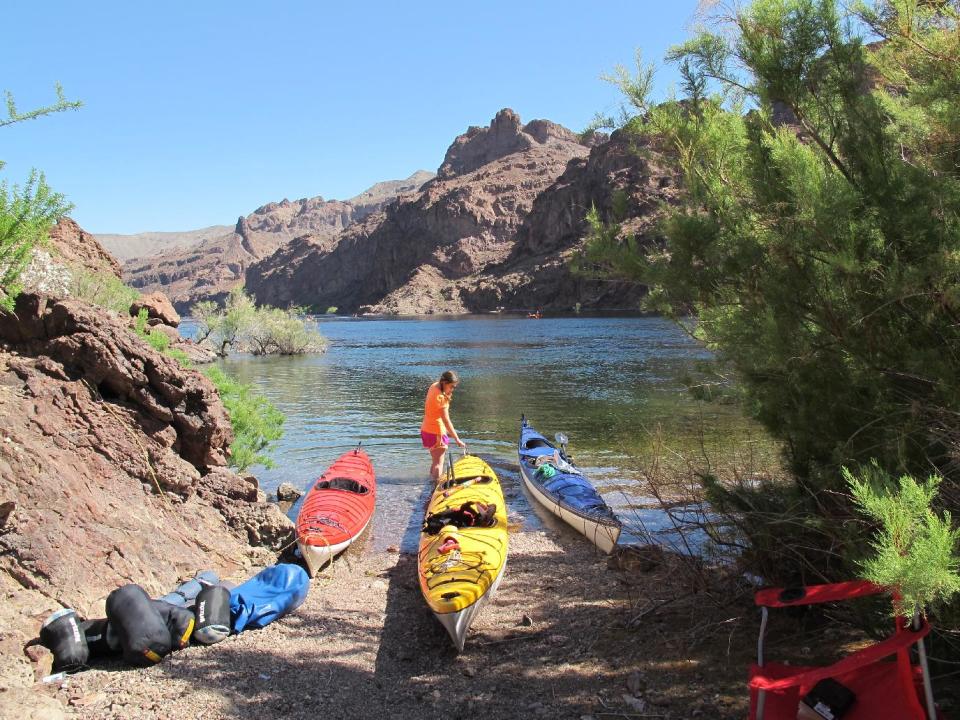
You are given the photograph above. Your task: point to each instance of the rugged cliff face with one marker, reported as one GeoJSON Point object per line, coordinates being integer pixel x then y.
{"type": "Point", "coordinates": [416, 253]}
{"type": "Point", "coordinates": [538, 271]}
{"type": "Point", "coordinates": [214, 266]}
{"type": "Point", "coordinates": [112, 470]}
{"type": "Point", "coordinates": [496, 228]}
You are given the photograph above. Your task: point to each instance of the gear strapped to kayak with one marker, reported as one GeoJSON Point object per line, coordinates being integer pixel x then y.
{"type": "Point", "coordinates": [553, 480]}
{"type": "Point", "coordinates": [470, 514]}
{"type": "Point", "coordinates": [463, 545]}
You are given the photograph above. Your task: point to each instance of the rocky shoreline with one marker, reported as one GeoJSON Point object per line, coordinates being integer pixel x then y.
{"type": "Point", "coordinates": [113, 468]}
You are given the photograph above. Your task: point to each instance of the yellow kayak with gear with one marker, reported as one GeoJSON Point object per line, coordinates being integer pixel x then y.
{"type": "Point", "coordinates": [463, 545]}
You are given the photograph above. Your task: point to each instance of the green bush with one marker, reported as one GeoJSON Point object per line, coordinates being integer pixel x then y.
{"type": "Point", "coordinates": [26, 215]}
{"type": "Point", "coordinates": [102, 289]}
{"type": "Point", "coordinates": [821, 257]}
{"type": "Point", "coordinates": [257, 424]}
{"type": "Point", "coordinates": [262, 331]}
{"type": "Point", "coordinates": [273, 331]}
{"type": "Point", "coordinates": [915, 550]}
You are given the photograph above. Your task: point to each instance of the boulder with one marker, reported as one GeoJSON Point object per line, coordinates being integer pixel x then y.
{"type": "Point", "coordinates": [76, 246]}
{"type": "Point", "coordinates": [288, 493]}
{"type": "Point", "coordinates": [158, 307]}
{"type": "Point", "coordinates": [173, 335]}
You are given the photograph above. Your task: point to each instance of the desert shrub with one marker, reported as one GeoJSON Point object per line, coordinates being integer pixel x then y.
{"type": "Point", "coordinates": [273, 331]}
{"type": "Point", "coordinates": [240, 325]}
{"type": "Point", "coordinates": [257, 424]}
{"type": "Point", "coordinates": [102, 289]}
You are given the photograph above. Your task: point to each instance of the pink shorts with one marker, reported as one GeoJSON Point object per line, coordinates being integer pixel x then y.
{"type": "Point", "coordinates": [431, 441]}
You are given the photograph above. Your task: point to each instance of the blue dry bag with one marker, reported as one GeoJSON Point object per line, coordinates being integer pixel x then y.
{"type": "Point", "coordinates": [268, 595]}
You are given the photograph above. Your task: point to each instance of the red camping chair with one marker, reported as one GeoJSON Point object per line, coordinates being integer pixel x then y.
{"type": "Point", "coordinates": [884, 689]}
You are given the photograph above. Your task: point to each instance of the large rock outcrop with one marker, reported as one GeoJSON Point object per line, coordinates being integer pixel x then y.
{"type": "Point", "coordinates": [505, 136]}
{"type": "Point", "coordinates": [421, 247]}
{"type": "Point", "coordinates": [76, 246]}
{"type": "Point", "coordinates": [68, 250]}
{"type": "Point", "coordinates": [208, 270]}
{"type": "Point", "coordinates": [112, 470]}
{"type": "Point", "coordinates": [626, 171]}
{"type": "Point", "coordinates": [497, 228]}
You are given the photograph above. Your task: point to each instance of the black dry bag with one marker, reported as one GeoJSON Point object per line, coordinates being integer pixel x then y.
{"type": "Point", "coordinates": [179, 622]}
{"type": "Point", "coordinates": [144, 636]}
{"type": "Point", "coordinates": [96, 633]}
{"type": "Point", "coordinates": [213, 615]}
{"type": "Point", "coordinates": [61, 634]}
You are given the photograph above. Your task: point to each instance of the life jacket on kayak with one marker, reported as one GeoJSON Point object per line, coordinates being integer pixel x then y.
{"type": "Point", "coordinates": [470, 514]}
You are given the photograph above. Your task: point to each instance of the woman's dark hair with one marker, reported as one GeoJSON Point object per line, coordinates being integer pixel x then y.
{"type": "Point", "coordinates": [449, 377]}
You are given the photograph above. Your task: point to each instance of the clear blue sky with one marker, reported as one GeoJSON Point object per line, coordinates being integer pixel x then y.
{"type": "Point", "coordinates": [196, 113]}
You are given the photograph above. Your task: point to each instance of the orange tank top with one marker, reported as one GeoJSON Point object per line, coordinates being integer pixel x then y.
{"type": "Point", "coordinates": [433, 411]}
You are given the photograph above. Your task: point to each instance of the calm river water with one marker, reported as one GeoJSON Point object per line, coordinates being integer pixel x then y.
{"type": "Point", "coordinates": [613, 385]}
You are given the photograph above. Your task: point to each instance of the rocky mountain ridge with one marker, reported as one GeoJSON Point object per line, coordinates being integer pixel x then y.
{"type": "Point", "coordinates": [457, 225]}
{"type": "Point", "coordinates": [496, 228]}
{"type": "Point", "coordinates": [213, 267]}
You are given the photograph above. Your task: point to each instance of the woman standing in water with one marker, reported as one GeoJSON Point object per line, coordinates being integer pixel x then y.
{"type": "Point", "coordinates": [436, 428]}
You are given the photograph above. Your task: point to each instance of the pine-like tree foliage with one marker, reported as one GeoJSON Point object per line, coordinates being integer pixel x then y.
{"type": "Point", "coordinates": [915, 550]}
{"type": "Point", "coordinates": [820, 243]}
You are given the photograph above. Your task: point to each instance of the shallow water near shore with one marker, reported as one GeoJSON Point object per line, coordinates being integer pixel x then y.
{"type": "Point", "coordinates": [612, 384]}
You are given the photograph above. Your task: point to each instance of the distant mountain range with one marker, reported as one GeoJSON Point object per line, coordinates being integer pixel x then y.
{"type": "Point", "coordinates": [495, 228]}
{"type": "Point", "coordinates": [125, 247]}
{"type": "Point", "coordinates": [206, 264]}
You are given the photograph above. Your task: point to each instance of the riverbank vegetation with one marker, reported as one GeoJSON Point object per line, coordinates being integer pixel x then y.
{"type": "Point", "coordinates": [240, 325]}
{"type": "Point", "coordinates": [817, 246]}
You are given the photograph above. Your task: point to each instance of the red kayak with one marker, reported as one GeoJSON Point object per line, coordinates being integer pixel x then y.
{"type": "Point", "coordinates": [336, 509]}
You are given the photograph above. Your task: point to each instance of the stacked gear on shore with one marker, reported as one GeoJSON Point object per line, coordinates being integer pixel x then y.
{"type": "Point", "coordinates": [144, 635]}
{"type": "Point", "coordinates": [62, 635]}
{"type": "Point", "coordinates": [212, 610]}
{"type": "Point", "coordinates": [186, 593]}
{"type": "Point", "coordinates": [144, 631]}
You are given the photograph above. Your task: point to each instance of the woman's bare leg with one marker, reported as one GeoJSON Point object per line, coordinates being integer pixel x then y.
{"type": "Point", "coordinates": [436, 457]}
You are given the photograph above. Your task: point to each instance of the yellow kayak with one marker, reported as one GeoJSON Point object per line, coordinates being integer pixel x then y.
{"type": "Point", "coordinates": [463, 545]}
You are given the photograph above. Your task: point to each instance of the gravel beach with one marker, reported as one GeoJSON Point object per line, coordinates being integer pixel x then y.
{"type": "Point", "coordinates": [571, 634]}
